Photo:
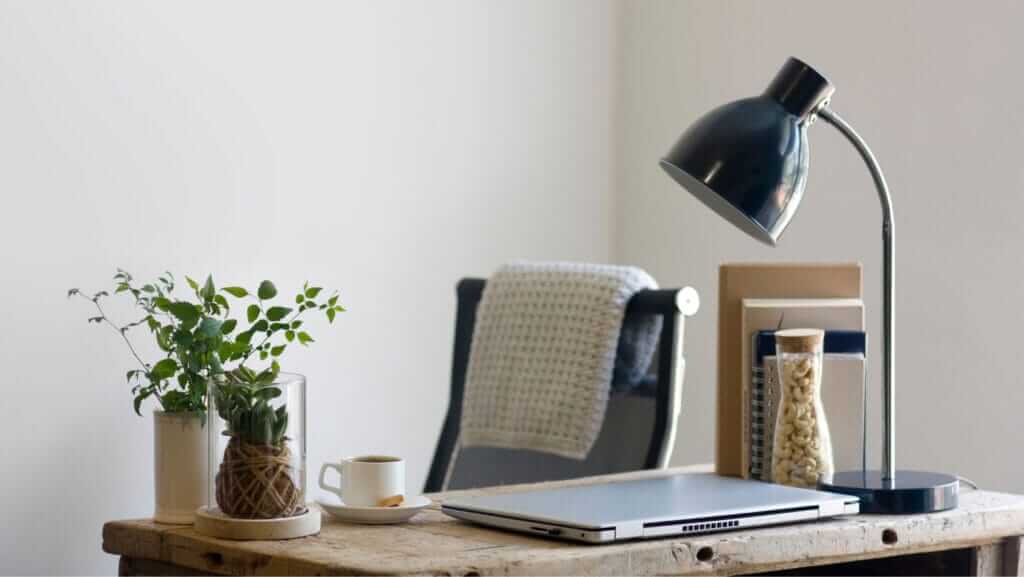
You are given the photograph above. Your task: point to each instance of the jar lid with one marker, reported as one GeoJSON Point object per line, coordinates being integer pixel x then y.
{"type": "Point", "coordinates": [800, 340]}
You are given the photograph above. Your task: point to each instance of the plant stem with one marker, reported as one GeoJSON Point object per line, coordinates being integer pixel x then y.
{"type": "Point", "coordinates": [103, 315]}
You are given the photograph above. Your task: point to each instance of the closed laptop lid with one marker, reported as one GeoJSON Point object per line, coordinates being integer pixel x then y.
{"type": "Point", "coordinates": [684, 496]}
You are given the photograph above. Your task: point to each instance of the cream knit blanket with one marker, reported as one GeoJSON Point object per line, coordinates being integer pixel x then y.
{"type": "Point", "coordinates": [543, 352]}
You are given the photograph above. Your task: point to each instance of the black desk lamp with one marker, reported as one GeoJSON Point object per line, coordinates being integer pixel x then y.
{"type": "Point", "coordinates": [747, 161]}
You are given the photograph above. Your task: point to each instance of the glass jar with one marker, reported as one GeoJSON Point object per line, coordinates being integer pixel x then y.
{"type": "Point", "coordinates": [258, 444]}
{"type": "Point", "coordinates": [801, 447]}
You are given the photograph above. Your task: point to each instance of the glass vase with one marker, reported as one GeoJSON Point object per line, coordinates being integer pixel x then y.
{"type": "Point", "coordinates": [258, 446]}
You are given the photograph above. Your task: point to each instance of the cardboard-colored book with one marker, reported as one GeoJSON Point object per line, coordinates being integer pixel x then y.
{"type": "Point", "coordinates": [735, 283]}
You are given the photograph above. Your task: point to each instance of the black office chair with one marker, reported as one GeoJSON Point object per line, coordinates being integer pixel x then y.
{"type": "Point", "coordinates": [640, 423]}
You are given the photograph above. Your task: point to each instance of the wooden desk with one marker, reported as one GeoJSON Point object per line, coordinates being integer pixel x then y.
{"type": "Point", "coordinates": [982, 537]}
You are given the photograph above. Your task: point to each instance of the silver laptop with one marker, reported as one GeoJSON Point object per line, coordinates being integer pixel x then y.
{"type": "Point", "coordinates": [678, 505]}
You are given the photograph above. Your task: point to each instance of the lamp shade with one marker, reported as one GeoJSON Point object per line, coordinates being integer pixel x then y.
{"type": "Point", "coordinates": [747, 160]}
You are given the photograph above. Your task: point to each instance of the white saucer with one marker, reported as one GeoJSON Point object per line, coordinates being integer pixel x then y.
{"type": "Point", "coordinates": [376, 515]}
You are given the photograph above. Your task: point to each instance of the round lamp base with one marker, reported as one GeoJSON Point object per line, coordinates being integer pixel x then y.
{"type": "Point", "coordinates": [911, 492]}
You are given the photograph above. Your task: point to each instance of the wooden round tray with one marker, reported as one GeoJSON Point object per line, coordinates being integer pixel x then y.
{"type": "Point", "coordinates": [210, 521]}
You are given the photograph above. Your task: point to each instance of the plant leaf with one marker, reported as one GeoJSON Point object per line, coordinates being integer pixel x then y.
{"type": "Point", "coordinates": [192, 283]}
{"type": "Point", "coordinates": [299, 298]}
{"type": "Point", "coordinates": [208, 289]}
{"type": "Point", "coordinates": [330, 315]}
{"type": "Point", "coordinates": [260, 326]}
{"type": "Point", "coordinates": [163, 338]}
{"type": "Point", "coordinates": [236, 291]}
{"type": "Point", "coordinates": [181, 338]}
{"type": "Point", "coordinates": [185, 312]}
{"type": "Point", "coordinates": [210, 327]}
{"type": "Point", "coordinates": [219, 299]}
{"type": "Point", "coordinates": [311, 292]}
{"type": "Point", "coordinates": [266, 291]}
{"type": "Point", "coordinates": [304, 338]}
{"type": "Point", "coordinates": [276, 351]}
{"type": "Point", "coordinates": [289, 335]}
{"type": "Point", "coordinates": [252, 313]}
{"type": "Point", "coordinates": [228, 326]}
{"type": "Point", "coordinates": [164, 369]}
{"type": "Point", "coordinates": [268, 393]}
{"type": "Point", "coordinates": [278, 313]}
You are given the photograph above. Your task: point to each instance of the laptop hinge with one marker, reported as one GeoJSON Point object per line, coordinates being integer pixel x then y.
{"type": "Point", "coordinates": [629, 530]}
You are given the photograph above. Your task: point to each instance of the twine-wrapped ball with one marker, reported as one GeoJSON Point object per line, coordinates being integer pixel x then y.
{"type": "Point", "coordinates": [255, 482]}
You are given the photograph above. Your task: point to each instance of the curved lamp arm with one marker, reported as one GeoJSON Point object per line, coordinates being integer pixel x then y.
{"type": "Point", "coordinates": [888, 288]}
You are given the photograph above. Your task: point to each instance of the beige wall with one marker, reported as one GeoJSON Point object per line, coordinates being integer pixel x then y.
{"type": "Point", "coordinates": [936, 89]}
{"type": "Point", "coordinates": [384, 148]}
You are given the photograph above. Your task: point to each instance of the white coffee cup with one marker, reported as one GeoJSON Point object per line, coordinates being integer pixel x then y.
{"type": "Point", "coordinates": [367, 480]}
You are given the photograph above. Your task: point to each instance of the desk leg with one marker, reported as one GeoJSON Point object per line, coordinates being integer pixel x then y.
{"type": "Point", "coordinates": [1000, 558]}
{"type": "Point", "coordinates": [987, 560]}
{"type": "Point", "coordinates": [1013, 561]}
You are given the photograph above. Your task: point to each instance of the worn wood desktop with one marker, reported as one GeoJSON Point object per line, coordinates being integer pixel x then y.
{"type": "Point", "coordinates": [982, 537]}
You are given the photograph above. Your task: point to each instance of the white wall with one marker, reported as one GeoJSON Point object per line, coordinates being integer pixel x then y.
{"type": "Point", "coordinates": [384, 148]}
{"type": "Point", "coordinates": [935, 87]}
{"type": "Point", "coordinates": [388, 148]}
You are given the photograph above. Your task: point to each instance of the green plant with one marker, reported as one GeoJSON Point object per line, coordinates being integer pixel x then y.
{"type": "Point", "coordinates": [255, 478]}
{"type": "Point", "coordinates": [273, 327]}
{"type": "Point", "coordinates": [243, 401]}
{"type": "Point", "coordinates": [190, 334]}
{"type": "Point", "coordinates": [242, 395]}
{"type": "Point", "coordinates": [198, 338]}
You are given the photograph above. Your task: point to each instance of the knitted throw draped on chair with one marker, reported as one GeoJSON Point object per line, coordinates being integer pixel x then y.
{"type": "Point", "coordinates": [543, 352]}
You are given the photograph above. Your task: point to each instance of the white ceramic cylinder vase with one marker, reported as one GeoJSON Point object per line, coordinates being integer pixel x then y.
{"type": "Point", "coordinates": [181, 466]}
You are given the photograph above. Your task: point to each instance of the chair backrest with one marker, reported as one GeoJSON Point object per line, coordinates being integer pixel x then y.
{"type": "Point", "coordinates": [640, 422]}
